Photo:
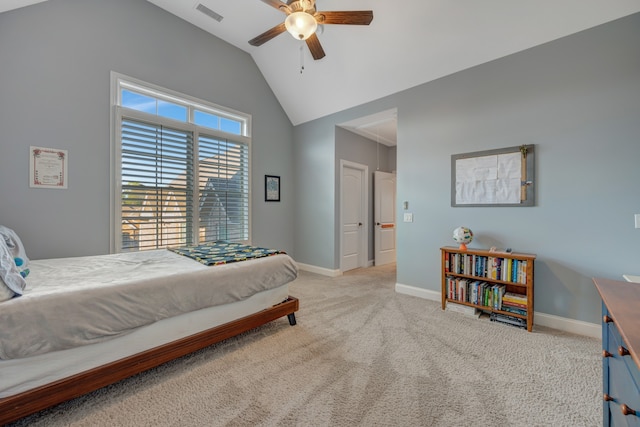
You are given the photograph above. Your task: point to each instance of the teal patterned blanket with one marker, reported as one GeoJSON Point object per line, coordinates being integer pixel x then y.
{"type": "Point", "coordinates": [217, 253]}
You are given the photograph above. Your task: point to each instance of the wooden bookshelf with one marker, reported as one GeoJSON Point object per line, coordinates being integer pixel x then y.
{"type": "Point", "coordinates": [465, 267]}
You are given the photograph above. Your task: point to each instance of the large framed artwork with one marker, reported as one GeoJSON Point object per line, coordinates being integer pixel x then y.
{"type": "Point", "coordinates": [501, 177]}
{"type": "Point", "coordinates": [271, 188]}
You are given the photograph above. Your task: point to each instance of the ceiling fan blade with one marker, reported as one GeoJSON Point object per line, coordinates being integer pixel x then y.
{"type": "Point", "coordinates": [357, 17]}
{"type": "Point", "coordinates": [277, 4]}
{"type": "Point", "coordinates": [315, 47]}
{"type": "Point", "coordinates": [267, 35]}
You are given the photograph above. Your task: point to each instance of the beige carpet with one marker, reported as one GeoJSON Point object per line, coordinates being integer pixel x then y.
{"type": "Point", "coordinates": [361, 355]}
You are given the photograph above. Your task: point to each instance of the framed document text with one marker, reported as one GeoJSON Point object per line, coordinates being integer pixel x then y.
{"type": "Point", "coordinates": [48, 168]}
{"type": "Point", "coordinates": [501, 177]}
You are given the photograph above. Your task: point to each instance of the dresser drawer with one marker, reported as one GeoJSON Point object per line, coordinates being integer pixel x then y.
{"type": "Point", "coordinates": [623, 384]}
{"type": "Point", "coordinates": [613, 346]}
{"type": "Point", "coordinates": [618, 419]}
{"type": "Point", "coordinates": [621, 373]}
{"type": "Point", "coordinates": [623, 391]}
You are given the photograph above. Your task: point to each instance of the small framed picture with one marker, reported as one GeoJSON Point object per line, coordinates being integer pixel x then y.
{"type": "Point", "coordinates": [271, 188]}
{"type": "Point", "coordinates": [48, 167]}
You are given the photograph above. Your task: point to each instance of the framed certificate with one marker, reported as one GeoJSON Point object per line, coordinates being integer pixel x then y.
{"type": "Point", "coordinates": [48, 168]}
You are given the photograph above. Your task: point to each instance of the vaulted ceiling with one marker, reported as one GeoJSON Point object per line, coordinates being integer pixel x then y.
{"type": "Point", "coordinates": [408, 43]}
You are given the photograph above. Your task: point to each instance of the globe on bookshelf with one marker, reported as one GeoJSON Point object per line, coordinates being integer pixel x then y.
{"type": "Point", "coordinates": [463, 236]}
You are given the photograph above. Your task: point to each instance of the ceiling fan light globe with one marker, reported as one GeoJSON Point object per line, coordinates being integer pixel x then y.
{"type": "Point", "coordinates": [301, 25]}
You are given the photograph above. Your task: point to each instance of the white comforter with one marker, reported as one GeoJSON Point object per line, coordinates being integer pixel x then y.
{"type": "Point", "coordinates": [76, 301]}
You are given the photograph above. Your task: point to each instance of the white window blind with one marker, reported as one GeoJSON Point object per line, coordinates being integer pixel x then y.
{"type": "Point", "coordinates": [157, 186]}
{"type": "Point", "coordinates": [224, 189]}
{"type": "Point", "coordinates": [161, 205]}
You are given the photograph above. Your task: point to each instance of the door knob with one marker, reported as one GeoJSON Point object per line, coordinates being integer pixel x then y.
{"type": "Point", "coordinates": [359, 224]}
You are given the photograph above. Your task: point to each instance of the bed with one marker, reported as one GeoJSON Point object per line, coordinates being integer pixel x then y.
{"type": "Point", "coordinates": [85, 322]}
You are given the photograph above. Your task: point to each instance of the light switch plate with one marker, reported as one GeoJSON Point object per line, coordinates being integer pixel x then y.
{"type": "Point", "coordinates": [637, 216]}
{"type": "Point", "coordinates": [408, 217]}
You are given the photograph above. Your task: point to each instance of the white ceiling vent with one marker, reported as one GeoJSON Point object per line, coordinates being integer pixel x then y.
{"type": "Point", "coordinates": [210, 13]}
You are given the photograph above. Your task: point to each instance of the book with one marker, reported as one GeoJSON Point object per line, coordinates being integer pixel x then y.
{"type": "Point", "coordinates": [499, 291]}
{"type": "Point", "coordinates": [520, 311]}
{"type": "Point", "coordinates": [473, 298]}
{"type": "Point", "coordinates": [462, 284]}
{"type": "Point", "coordinates": [508, 320]}
{"type": "Point", "coordinates": [523, 273]}
{"type": "Point", "coordinates": [514, 305]}
{"type": "Point", "coordinates": [513, 297]}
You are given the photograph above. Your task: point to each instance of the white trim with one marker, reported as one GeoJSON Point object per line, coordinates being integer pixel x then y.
{"type": "Point", "coordinates": [115, 217]}
{"type": "Point", "coordinates": [131, 83]}
{"type": "Point", "coordinates": [418, 292]}
{"type": "Point", "coordinates": [319, 270]}
{"type": "Point", "coordinates": [593, 330]}
{"type": "Point", "coordinates": [117, 112]}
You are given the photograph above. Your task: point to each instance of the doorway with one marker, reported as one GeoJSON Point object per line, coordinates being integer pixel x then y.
{"type": "Point", "coordinates": [353, 215]}
{"type": "Point", "coordinates": [384, 207]}
{"type": "Point", "coordinates": [374, 146]}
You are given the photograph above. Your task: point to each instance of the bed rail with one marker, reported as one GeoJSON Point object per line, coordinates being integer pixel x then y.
{"type": "Point", "coordinates": [14, 407]}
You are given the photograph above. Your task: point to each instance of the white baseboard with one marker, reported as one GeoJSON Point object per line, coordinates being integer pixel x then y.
{"type": "Point", "coordinates": [579, 327]}
{"type": "Point", "coordinates": [593, 330]}
{"type": "Point", "coordinates": [418, 292]}
{"type": "Point", "coordinates": [319, 270]}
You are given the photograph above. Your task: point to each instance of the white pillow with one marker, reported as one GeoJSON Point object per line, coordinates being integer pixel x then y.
{"type": "Point", "coordinates": [11, 282]}
{"type": "Point", "coordinates": [14, 244]}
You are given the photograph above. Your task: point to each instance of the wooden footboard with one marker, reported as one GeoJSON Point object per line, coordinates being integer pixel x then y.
{"type": "Point", "coordinates": [20, 405]}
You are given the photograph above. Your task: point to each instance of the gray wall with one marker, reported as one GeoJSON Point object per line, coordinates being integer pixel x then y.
{"type": "Point", "coordinates": [358, 149]}
{"type": "Point", "coordinates": [55, 62]}
{"type": "Point", "coordinates": [577, 99]}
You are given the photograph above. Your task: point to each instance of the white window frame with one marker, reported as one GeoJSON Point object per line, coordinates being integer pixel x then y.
{"type": "Point", "coordinates": [117, 112]}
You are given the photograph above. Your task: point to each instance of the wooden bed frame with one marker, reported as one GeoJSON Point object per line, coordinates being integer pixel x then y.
{"type": "Point", "coordinates": [14, 407]}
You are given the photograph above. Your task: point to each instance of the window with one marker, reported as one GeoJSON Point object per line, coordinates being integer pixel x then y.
{"type": "Point", "coordinates": [181, 169]}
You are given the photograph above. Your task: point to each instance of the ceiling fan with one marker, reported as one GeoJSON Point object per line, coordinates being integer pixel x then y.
{"type": "Point", "coordinates": [303, 20]}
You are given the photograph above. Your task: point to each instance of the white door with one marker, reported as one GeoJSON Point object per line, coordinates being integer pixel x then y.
{"type": "Point", "coordinates": [384, 217]}
{"type": "Point", "coordinates": [353, 212]}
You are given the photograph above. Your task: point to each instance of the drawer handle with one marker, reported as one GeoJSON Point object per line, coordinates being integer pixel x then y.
{"type": "Point", "coordinates": [605, 353]}
{"type": "Point", "coordinates": [626, 410]}
{"type": "Point", "coordinates": [607, 398]}
{"type": "Point", "coordinates": [623, 351]}
{"type": "Point", "coordinates": [607, 319]}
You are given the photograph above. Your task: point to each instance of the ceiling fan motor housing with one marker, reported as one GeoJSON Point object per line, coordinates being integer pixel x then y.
{"type": "Point", "coordinates": [308, 6]}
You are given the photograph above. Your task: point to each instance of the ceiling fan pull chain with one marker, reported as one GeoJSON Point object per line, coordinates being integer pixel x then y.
{"type": "Point", "coordinates": [301, 59]}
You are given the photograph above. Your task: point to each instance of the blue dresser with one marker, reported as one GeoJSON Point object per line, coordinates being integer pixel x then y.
{"type": "Point", "coordinates": [620, 354]}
